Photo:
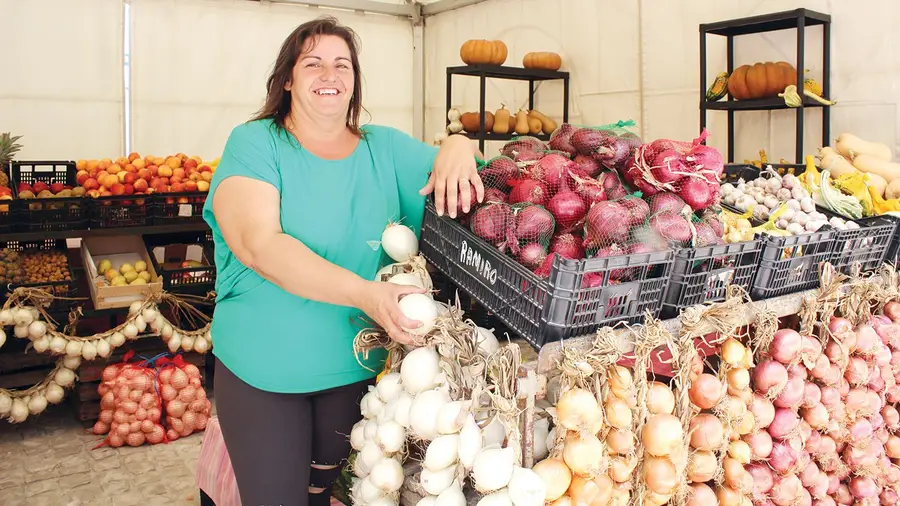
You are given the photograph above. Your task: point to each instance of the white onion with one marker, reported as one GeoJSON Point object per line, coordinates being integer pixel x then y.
{"type": "Point", "coordinates": [399, 242]}
{"type": "Point", "coordinates": [401, 409]}
{"type": "Point", "coordinates": [390, 436]}
{"type": "Point", "coordinates": [19, 411]}
{"type": "Point", "coordinates": [366, 459]}
{"type": "Point", "coordinates": [149, 314]}
{"type": "Point", "coordinates": [357, 435]}
{"type": "Point", "coordinates": [382, 501]}
{"type": "Point", "coordinates": [498, 498]}
{"type": "Point", "coordinates": [451, 417]}
{"type": "Point", "coordinates": [526, 488]}
{"type": "Point", "coordinates": [37, 404]}
{"type": "Point", "coordinates": [370, 429]}
{"type": "Point", "coordinates": [435, 482]}
{"type": "Point", "coordinates": [54, 393]}
{"type": "Point", "coordinates": [470, 442]}
{"type": "Point", "coordinates": [407, 279]}
{"type": "Point", "coordinates": [5, 402]}
{"type": "Point", "coordinates": [187, 342]}
{"type": "Point", "coordinates": [103, 348]}
{"type": "Point", "coordinates": [419, 370]}
{"type": "Point", "coordinates": [494, 433]}
{"type": "Point", "coordinates": [427, 500]}
{"type": "Point", "coordinates": [21, 331]}
{"type": "Point", "coordinates": [201, 344]}
{"type": "Point", "coordinates": [58, 345]}
{"type": "Point", "coordinates": [487, 341]}
{"type": "Point", "coordinates": [493, 469]}
{"type": "Point", "coordinates": [453, 496]}
{"type": "Point", "coordinates": [422, 419]}
{"type": "Point", "coordinates": [6, 317]}
{"type": "Point", "coordinates": [73, 348]}
{"type": "Point", "coordinates": [37, 329]}
{"type": "Point", "coordinates": [135, 307]}
{"type": "Point", "coordinates": [41, 345]}
{"type": "Point", "coordinates": [441, 453]}
{"type": "Point", "coordinates": [389, 387]}
{"type": "Point", "coordinates": [368, 491]}
{"type": "Point", "coordinates": [130, 331]}
{"type": "Point", "coordinates": [88, 350]}
{"type": "Point", "coordinates": [64, 377]}
{"type": "Point", "coordinates": [387, 475]}
{"type": "Point", "coordinates": [140, 323]}
{"type": "Point", "coordinates": [117, 339]}
{"type": "Point", "coordinates": [72, 362]}
{"type": "Point", "coordinates": [371, 406]}
{"type": "Point", "coordinates": [2, 338]}
{"type": "Point", "coordinates": [419, 307]}
{"type": "Point", "coordinates": [23, 316]}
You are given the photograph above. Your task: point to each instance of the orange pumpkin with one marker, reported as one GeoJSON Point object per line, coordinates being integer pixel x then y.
{"type": "Point", "coordinates": [485, 52]}
{"type": "Point", "coordinates": [761, 80]}
{"type": "Point", "coordinates": [542, 60]}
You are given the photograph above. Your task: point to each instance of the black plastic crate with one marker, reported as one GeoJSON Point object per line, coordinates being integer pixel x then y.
{"type": "Point", "coordinates": [53, 213]}
{"type": "Point", "coordinates": [188, 280]}
{"type": "Point", "coordinates": [117, 211]}
{"type": "Point", "coordinates": [14, 256]}
{"type": "Point", "coordinates": [545, 310]}
{"type": "Point", "coordinates": [170, 208]}
{"type": "Point", "coordinates": [892, 256]}
{"type": "Point", "coordinates": [791, 264]}
{"type": "Point", "coordinates": [701, 275]}
{"type": "Point", "coordinates": [861, 249]}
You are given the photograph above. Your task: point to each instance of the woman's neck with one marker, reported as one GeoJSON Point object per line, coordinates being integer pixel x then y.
{"type": "Point", "coordinates": [318, 130]}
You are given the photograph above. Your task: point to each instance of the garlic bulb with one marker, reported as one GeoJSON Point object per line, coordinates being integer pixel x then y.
{"type": "Point", "coordinates": [103, 348]}
{"type": "Point", "coordinates": [54, 393]}
{"type": "Point", "coordinates": [116, 340]}
{"type": "Point", "coordinates": [174, 343]}
{"type": "Point", "coordinates": [37, 404]}
{"type": "Point", "coordinates": [41, 345]}
{"type": "Point", "coordinates": [187, 343]}
{"type": "Point", "coordinates": [88, 350]}
{"type": "Point", "coordinates": [37, 329]}
{"type": "Point", "coordinates": [201, 345]}
{"type": "Point", "coordinates": [72, 362]}
{"type": "Point", "coordinates": [73, 348]}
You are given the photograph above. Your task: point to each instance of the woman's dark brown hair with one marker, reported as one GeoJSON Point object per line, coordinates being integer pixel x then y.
{"type": "Point", "coordinates": [278, 100]}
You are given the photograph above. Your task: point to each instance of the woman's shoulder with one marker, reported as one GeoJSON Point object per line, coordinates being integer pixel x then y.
{"type": "Point", "coordinates": [383, 134]}
{"type": "Point", "coordinates": [255, 128]}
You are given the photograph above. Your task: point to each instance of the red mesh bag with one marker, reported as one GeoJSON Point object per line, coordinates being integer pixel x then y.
{"type": "Point", "coordinates": [609, 146]}
{"type": "Point", "coordinates": [524, 149]}
{"type": "Point", "coordinates": [498, 172]}
{"type": "Point", "coordinates": [130, 404]}
{"type": "Point", "coordinates": [610, 225]}
{"type": "Point", "coordinates": [185, 402]}
{"type": "Point", "coordinates": [493, 221]}
{"type": "Point", "coordinates": [532, 228]}
{"type": "Point", "coordinates": [690, 170]}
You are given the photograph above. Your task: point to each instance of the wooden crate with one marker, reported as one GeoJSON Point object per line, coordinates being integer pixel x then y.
{"type": "Point", "coordinates": [87, 398]}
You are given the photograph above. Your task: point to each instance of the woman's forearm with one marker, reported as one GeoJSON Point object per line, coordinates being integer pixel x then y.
{"type": "Point", "coordinates": [294, 267]}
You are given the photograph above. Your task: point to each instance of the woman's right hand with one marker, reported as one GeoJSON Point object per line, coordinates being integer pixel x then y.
{"type": "Point", "coordinates": [380, 300]}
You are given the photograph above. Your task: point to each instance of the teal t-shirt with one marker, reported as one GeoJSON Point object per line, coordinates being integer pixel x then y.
{"type": "Point", "coordinates": [275, 340]}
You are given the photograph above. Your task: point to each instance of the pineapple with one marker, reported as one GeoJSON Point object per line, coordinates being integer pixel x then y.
{"type": "Point", "coordinates": [8, 149]}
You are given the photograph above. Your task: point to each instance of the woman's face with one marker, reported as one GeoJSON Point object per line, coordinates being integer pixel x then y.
{"type": "Point", "coordinates": [322, 80]}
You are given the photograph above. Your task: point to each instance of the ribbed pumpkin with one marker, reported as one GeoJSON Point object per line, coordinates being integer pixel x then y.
{"type": "Point", "coordinates": [542, 60]}
{"type": "Point", "coordinates": [485, 52]}
{"type": "Point", "coordinates": [761, 80]}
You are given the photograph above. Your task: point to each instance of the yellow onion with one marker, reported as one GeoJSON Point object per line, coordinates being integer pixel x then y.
{"type": "Point", "coordinates": [702, 466]}
{"type": "Point", "coordinates": [661, 434]}
{"type": "Point", "coordinates": [660, 399]}
{"type": "Point", "coordinates": [660, 475]}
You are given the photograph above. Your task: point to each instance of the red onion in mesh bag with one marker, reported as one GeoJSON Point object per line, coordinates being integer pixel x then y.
{"type": "Point", "coordinates": [534, 224]}
{"type": "Point", "coordinates": [672, 226]}
{"type": "Point", "coordinates": [587, 140]}
{"type": "Point", "coordinates": [669, 166]}
{"type": "Point", "coordinates": [587, 164]}
{"type": "Point", "coordinates": [498, 172]}
{"type": "Point", "coordinates": [638, 208]}
{"type": "Point", "coordinates": [613, 151]}
{"type": "Point", "coordinates": [706, 236]}
{"type": "Point", "coordinates": [560, 140]}
{"type": "Point", "coordinates": [615, 275]}
{"type": "Point", "coordinates": [606, 223]}
{"type": "Point", "coordinates": [707, 159]}
{"type": "Point", "coordinates": [531, 255]}
{"type": "Point", "coordinates": [590, 190]}
{"type": "Point", "coordinates": [523, 143]}
{"type": "Point", "coordinates": [568, 209]}
{"type": "Point", "coordinates": [667, 202]}
{"type": "Point", "coordinates": [567, 246]}
{"type": "Point", "coordinates": [528, 190]}
{"type": "Point", "coordinates": [553, 170]}
{"type": "Point", "coordinates": [633, 140]}
{"type": "Point", "coordinates": [635, 178]}
{"type": "Point", "coordinates": [543, 270]}
{"type": "Point", "coordinates": [492, 222]}
{"type": "Point", "coordinates": [613, 185]}
{"type": "Point", "coordinates": [494, 195]}
{"type": "Point", "coordinates": [696, 192]}
{"type": "Point", "coordinates": [592, 280]}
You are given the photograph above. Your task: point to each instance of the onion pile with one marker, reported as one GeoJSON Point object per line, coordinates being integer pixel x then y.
{"type": "Point", "coordinates": [662, 442]}
{"type": "Point", "coordinates": [184, 400]}
{"type": "Point", "coordinates": [130, 408]}
{"type": "Point", "coordinates": [569, 199]}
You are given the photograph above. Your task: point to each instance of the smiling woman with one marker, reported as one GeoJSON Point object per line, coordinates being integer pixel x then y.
{"type": "Point", "coordinates": [298, 195]}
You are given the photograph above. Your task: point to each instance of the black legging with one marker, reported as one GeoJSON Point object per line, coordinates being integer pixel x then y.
{"type": "Point", "coordinates": [274, 439]}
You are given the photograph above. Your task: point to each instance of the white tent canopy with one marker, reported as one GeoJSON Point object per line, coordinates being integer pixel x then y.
{"type": "Point", "coordinates": [79, 83]}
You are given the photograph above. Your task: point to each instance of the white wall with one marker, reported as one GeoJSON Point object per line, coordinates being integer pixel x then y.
{"type": "Point", "coordinates": [639, 59]}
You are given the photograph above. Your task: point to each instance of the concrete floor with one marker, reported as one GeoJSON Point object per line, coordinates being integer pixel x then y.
{"type": "Point", "coordinates": [48, 461]}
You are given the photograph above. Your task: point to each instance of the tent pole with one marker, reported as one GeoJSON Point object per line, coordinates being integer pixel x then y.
{"type": "Point", "coordinates": [441, 6]}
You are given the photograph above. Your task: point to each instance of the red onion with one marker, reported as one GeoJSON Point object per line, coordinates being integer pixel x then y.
{"type": "Point", "coordinates": [833, 483]}
{"type": "Point", "coordinates": [592, 280]}
{"type": "Point", "coordinates": [889, 496]}
{"type": "Point", "coordinates": [808, 474]}
{"type": "Point", "coordinates": [760, 443]}
{"type": "Point", "coordinates": [812, 442]}
{"type": "Point", "coordinates": [705, 235]}
{"type": "Point", "coordinates": [861, 431]}
{"type": "Point", "coordinates": [567, 246]}
{"type": "Point", "coordinates": [812, 395]}
{"type": "Point", "coordinates": [526, 142]}
{"type": "Point", "coordinates": [824, 501]}
{"type": "Point", "coordinates": [891, 417]}
{"type": "Point", "coordinates": [494, 195]}
{"type": "Point", "coordinates": [533, 223]}
{"type": "Point", "coordinates": [568, 209]}
{"type": "Point", "coordinates": [811, 349]}
{"type": "Point", "coordinates": [889, 334]}
{"type": "Point", "coordinates": [669, 166]}
{"type": "Point", "coordinates": [798, 370]}
{"type": "Point", "coordinates": [816, 416]}
{"type": "Point", "coordinates": [867, 340]}
{"type": "Point", "coordinates": [763, 411]}
{"type": "Point", "coordinates": [769, 377]}
{"type": "Point", "coordinates": [635, 178]}
{"type": "Point", "coordinates": [785, 346]}
{"type": "Point", "coordinates": [498, 172]}
{"type": "Point", "coordinates": [783, 457]}
{"type": "Point", "coordinates": [553, 171]}
{"type": "Point", "coordinates": [820, 367]}
{"type": "Point", "coordinates": [839, 326]}
{"type": "Point", "coordinates": [587, 164]}
{"type": "Point", "coordinates": [879, 320]}
{"type": "Point", "coordinates": [672, 227]}
{"type": "Point", "coordinates": [561, 139]}
{"type": "Point", "coordinates": [863, 487]}
{"type": "Point", "coordinates": [827, 447]}
{"type": "Point", "coordinates": [491, 222]}
{"type": "Point", "coordinates": [638, 209]}
{"type": "Point", "coordinates": [786, 491]}
{"type": "Point", "coordinates": [586, 141]}
{"type": "Point", "coordinates": [830, 396]}
{"type": "Point", "coordinates": [792, 394]}
{"type": "Point", "coordinates": [892, 310]}
{"type": "Point", "coordinates": [612, 184]}
{"type": "Point", "coordinates": [666, 202]}
{"type": "Point", "coordinates": [785, 422]}
{"type": "Point", "coordinates": [606, 223]}
{"type": "Point", "coordinates": [695, 192]}
{"type": "Point", "coordinates": [531, 255]}
{"type": "Point", "coordinates": [543, 270]}
{"type": "Point", "coordinates": [857, 372]}
{"type": "Point", "coordinates": [762, 478]}
{"type": "Point", "coordinates": [528, 190]}
{"type": "Point", "coordinates": [842, 495]}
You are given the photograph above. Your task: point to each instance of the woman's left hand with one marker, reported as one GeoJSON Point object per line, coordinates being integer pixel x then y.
{"type": "Point", "coordinates": [454, 168]}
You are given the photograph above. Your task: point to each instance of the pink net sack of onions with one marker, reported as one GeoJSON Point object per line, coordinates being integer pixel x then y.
{"type": "Point", "coordinates": [524, 149]}
{"type": "Point", "coordinates": [185, 402]}
{"type": "Point", "coordinates": [616, 227]}
{"type": "Point", "coordinates": [130, 405]}
{"type": "Point", "coordinates": [596, 147]}
{"type": "Point", "coordinates": [496, 176]}
{"type": "Point", "coordinates": [690, 170]}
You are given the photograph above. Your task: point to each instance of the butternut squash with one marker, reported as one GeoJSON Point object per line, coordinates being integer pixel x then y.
{"type": "Point", "coordinates": [835, 163]}
{"type": "Point", "coordinates": [512, 123]}
{"type": "Point", "coordinates": [534, 125]}
{"type": "Point", "coordinates": [871, 164]}
{"type": "Point", "coordinates": [852, 146]}
{"type": "Point", "coordinates": [522, 126]}
{"type": "Point", "coordinates": [548, 126]}
{"type": "Point", "coordinates": [893, 190]}
{"type": "Point", "coordinates": [501, 121]}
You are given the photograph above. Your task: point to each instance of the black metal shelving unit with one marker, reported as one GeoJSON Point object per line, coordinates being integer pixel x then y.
{"type": "Point", "coordinates": [485, 72]}
{"type": "Point", "coordinates": [798, 19]}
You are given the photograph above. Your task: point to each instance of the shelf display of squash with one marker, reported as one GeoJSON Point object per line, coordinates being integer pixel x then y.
{"type": "Point", "coordinates": [865, 170]}
{"type": "Point", "coordinates": [503, 121]}
{"type": "Point", "coordinates": [483, 52]}
{"type": "Point", "coordinates": [761, 80]}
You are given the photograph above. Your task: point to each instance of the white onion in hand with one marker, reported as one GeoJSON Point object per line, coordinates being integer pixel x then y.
{"type": "Point", "coordinates": [419, 307]}
{"type": "Point", "coordinates": [399, 242]}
